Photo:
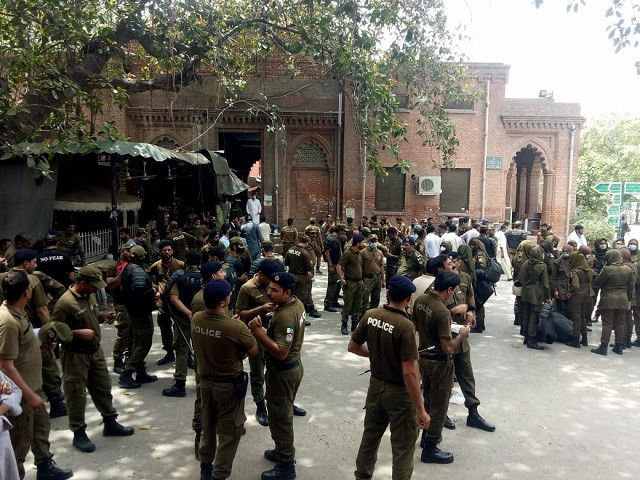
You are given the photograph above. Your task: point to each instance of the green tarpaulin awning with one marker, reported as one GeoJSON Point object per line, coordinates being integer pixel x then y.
{"type": "Point", "coordinates": [226, 181]}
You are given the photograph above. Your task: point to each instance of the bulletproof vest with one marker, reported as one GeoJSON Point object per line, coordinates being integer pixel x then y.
{"type": "Point", "coordinates": [137, 289]}
{"type": "Point", "coordinates": [188, 285]}
{"type": "Point", "coordinates": [514, 237]}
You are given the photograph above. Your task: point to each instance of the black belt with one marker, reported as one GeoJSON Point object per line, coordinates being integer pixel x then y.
{"type": "Point", "coordinates": [437, 357]}
{"type": "Point", "coordinates": [85, 350]}
{"type": "Point", "coordinates": [397, 384]}
{"type": "Point", "coordinates": [281, 367]}
{"type": "Point", "coordinates": [231, 379]}
{"type": "Point", "coordinates": [370, 275]}
{"type": "Point", "coordinates": [353, 279]}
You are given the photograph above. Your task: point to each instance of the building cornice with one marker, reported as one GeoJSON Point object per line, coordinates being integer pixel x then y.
{"type": "Point", "coordinates": [535, 122]}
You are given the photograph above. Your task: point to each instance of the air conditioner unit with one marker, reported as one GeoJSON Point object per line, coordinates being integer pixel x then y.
{"type": "Point", "coordinates": [429, 185]}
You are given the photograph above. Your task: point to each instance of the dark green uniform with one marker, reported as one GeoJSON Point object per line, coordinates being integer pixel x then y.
{"type": "Point", "coordinates": [395, 248]}
{"type": "Point", "coordinates": [372, 268]}
{"type": "Point", "coordinates": [253, 294]}
{"type": "Point", "coordinates": [181, 241]}
{"type": "Point", "coordinates": [122, 345]}
{"type": "Point", "coordinates": [411, 264]}
{"type": "Point", "coordinates": [535, 291]}
{"type": "Point", "coordinates": [390, 337]}
{"type": "Point", "coordinates": [560, 281]}
{"type": "Point", "coordinates": [433, 322]}
{"type": "Point", "coordinates": [289, 236]}
{"type": "Point", "coordinates": [30, 429]}
{"type": "Point", "coordinates": [352, 292]}
{"type": "Point", "coordinates": [299, 262]}
{"type": "Point", "coordinates": [160, 274]}
{"type": "Point", "coordinates": [71, 245]}
{"type": "Point", "coordinates": [219, 344]}
{"type": "Point", "coordinates": [83, 363]}
{"type": "Point", "coordinates": [283, 378]}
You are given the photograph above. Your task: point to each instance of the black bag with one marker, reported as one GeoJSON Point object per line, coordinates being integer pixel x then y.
{"type": "Point", "coordinates": [482, 291]}
{"type": "Point", "coordinates": [493, 271]}
{"type": "Point", "coordinates": [546, 330]}
{"type": "Point", "coordinates": [563, 327]}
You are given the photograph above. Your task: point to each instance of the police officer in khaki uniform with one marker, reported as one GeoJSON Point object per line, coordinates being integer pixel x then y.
{"type": "Point", "coordinates": [252, 301]}
{"type": "Point", "coordinates": [70, 243]}
{"type": "Point", "coordinates": [220, 344]}
{"type": "Point", "coordinates": [289, 236]}
{"type": "Point", "coordinates": [38, 313]}
{"type": "Point", "coordinates": [411, 262]}
{"type": "Point", "coordinates": [20, 360]}
{"type": "Point", "coordinates": [433, 322]}
{"type": "Point", "coordinates": [300, 266]}
{"type": "Point", "coordinates": [282, 343]}
{"type": "Point", "coordinates": [372, 260]}
{"type": "Point", "coordinates": [83, 363]}
{"type": "Point", "coordinates": [332, 254]}
{"type": "Point", "coordinates": [180, 240]}
{"type": "Point", "coordinates": [316, 244]}
{"type": "Point", "coordinates": [349, 271]}
{"type": "Point", "coordinates": [122, 345]}
{"type": "Point", "coordinates": [387, 337]}
{"type": "Point", "coordinates": [394, 251]}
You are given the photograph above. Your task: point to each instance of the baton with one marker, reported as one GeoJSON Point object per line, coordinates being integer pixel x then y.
{"type": "Point", "coordinates": [177, 324]}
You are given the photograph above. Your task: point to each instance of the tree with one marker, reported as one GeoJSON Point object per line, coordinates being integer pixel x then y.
{"type": "Point", "coordinates": [59, 57]}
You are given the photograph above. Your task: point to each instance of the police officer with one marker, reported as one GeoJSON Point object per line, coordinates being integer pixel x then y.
{"type": "Point", "coordinates": [184, 288]}
{"type": "Point", "coordinates": [140, 300]}
{"type": "Point", "coordinates": [122, 344]}
{"type": "Point", "coordinates": [387, 337]}
{"type": "Point", "coordinates": [299, 264]}
{"type": "Point", "coordinates": [83, 363]}
{"type": "Point", "coordinates": [514, 237]}
{"type": "Point", "coordinates": [160, 272]}
{"type": "Point", "coordinates": [55, 262]}
{"type": "Point", "coordinates": [332, 254]}
{"type": "Point", "coordinates": [20, 360]}
{"type": "Point", "coordinates": [349, 270]}
{"type": "Point", "coordinates": [180, 240]}
{"type": "Point", "coordinates": [282, 343]}
{"type": "Point", "coordinates": [394, 251]}
{"type": "Point", "coordinates": [316, 244]}
{"type": "Point", "coordinates": [411, 262]}
{"type": "Point", "coordinates": [289, 236]}
{"type": "Point", "coordinates": [70, 243]}
{"type": "Point", "coordinates": [252, 301]}
{"type": "Point", "coordinates": [220, 344]}
{"type": "Point", "coordinates": [372, 260]}
{"type": "Point", "coordinates": [267, 252]}
{"type": "Point", "coordinates": [433, 322]}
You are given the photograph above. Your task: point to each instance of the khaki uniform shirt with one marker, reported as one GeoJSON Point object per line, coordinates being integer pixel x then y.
{"type": "Point", "coordinates": [18, 343]}
{"type": "Point", "coordinates": [391, 338]}
{"type": "Point", "coordinates": [616, 287]}
{"type": "Point", "coordinates": [351, 264]}
{"type": "Point", "coordinates": [371, 260]}
{"type": "Point", "coordinates": [70, 244]}
{"type": "Point", "coordinates": [433, 321]}
{"type": "Point", "coordinates": [286, 328]}
{"type": "Point", "coordinates": [395, 248]}
{"type": "Point", "coordinates": [411, 265]}
{"type": "Point", "coordinates": [78, 311]}
{"type": "Point", "coordinates": [252, 294]}
{"type": "Point", "coordinates": [180, 241]}
{"type": "Point", "coordinates": [289, 234]}
{"type": "Point", "coordinates": [160, 273]}
{"type": "Point", "coordinates": [197, 304]}
{"type": "Point", "coordinates": [298, 260]}
{"type": "Point", "coordinates": [38, 297]}
{"type": "Point", "coordinates": [220, 344]}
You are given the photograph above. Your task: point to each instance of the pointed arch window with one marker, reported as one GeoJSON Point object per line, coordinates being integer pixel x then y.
{"type": "Point", "coordinates": [310, 155]}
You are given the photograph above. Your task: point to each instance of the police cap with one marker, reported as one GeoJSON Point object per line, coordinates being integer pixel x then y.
{"type": "Point", "coordinates": [215, 291]}
{"type": "Point", "coordinates": [210, 268]}
{"type": "Point", "coordinates": [303, 239]}
{"type": "Point", "coordinates": [357, 239]}
{"type": "Point", "coordinates": [92, 275]}
{"type": "Point", "coordinates": [401, 284]}
{"type": "Point", "coordinates": [284, 279]}
{"type": "Point", "coordinates": [138, 251]}
{"type": "Point", "coordinates": [55, 332]}
{"type": "Point", "coordinates": [24, 255]}
{"type": "Point", "coordinates": [409, 240]}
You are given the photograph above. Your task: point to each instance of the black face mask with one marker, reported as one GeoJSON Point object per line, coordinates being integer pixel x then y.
{"type": "Point", "coordinates": [239, 250]}
{"type": "Point", "coordinates": [166, 257]}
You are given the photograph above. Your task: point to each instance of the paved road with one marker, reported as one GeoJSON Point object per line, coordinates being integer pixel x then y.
{"type": "Point", "coordinates": [560, 414]}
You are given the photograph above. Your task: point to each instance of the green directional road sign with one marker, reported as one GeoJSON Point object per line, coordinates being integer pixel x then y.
{"type": "Point", "coordinates": [632, 187]}
{"type": "Point", "coordinates": [613, 210]}
{"type": "Point", "coordinates": [616, 199]}
{"type": "Point", "coordinates": [602, 187]}
{"type": "Point", "coordinates": [613, 221]}
{"type": "Point", "coordinates": [615, 187]}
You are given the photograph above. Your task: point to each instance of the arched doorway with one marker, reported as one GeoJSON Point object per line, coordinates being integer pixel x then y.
{"type": "Point", "coordinates": [527, 185]}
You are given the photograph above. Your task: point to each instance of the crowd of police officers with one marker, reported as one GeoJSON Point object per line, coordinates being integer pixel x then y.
{"type": "Point", "coordinates": [218, 304]}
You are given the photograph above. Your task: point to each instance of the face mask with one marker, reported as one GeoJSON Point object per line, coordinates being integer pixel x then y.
{"type": "Point", "coordinates": [633, 247]}
{"type": "Point", "coordinates": [588, 256]}
{"type": "Point", "coordinates": [343, 238]}
{"type": "Point", "coordinates": [239, 250]}
{"type": "Point", "coordinates": [443, 249]}
{"type": "Point", "coordinates": [165, 256]}
{"type": "Point", "coordinates": [618, 246]}
{"type": "Point", "coordinates": [565, 255]}
{"type": "Point", "coordinates": [373, 245]}
{"type": "Point", "coordinates": [602, 247]}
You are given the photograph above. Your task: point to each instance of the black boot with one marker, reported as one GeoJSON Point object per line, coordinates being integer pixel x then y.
{"type": "Point", "coordinates": [196, 443]}
{"type": "Point", "coordinates": [354, 324]}
{"type": "Point", "coordinates": [533, 344]}
{"type": "Point", "coordinates": [344, 330]}
{"type": "Point", "coordinates": [176, 390]}
{"type": "Point", "coordinates": [318, 271]}
{"type": "Point", "coordinates": [526, 340]}
{"type": "Point", "coordinates": [271, 455]}
{"type": "Point", "coordinates": [206, 471]}
{"type": "Point", "coordinates": [48, 470]}
{"type": "Point", "coordinates": [330, 309]}
{"type": "Point", "coordinates": [113, 429]}
{"type": "Point", "coordinates": [118, 365]}
{"type": "Point", "coordinates": [432, 454]}
{"type": "Point", "coordinates": [82, 442]}
{"type": "Point", "coordinates": [168, 358]}
{"type": "Point", "coordinates": [585, 340]}
{"type": "Point", "coordinates": [282, 471]}
{"type": "Point", "coordinates": [144, 377]}
{"type": "Point", "coordinates": [636, 342]}
{"type": "Point", "coordinates": [299, 412]}
{"type": "Point", "coordinates": [627, 342]}
{"type": "Point", "coordinates": [601, 350]}
{"type": "Point", "coordinates": [476, 421]}
{"type": "Point", "coordinates": [262, 415]}
{"type": "Point", "coordinates": [448, 423]}
{"type": "Point", "coordinates": [423, 439]}
{"type": "Point", "coordinates": [617, 348]}
{"type": "Point", "coordinates": [575, 342]}
{"type": "Point", "coordinates": [58, 407]}
{"type": "Point", "coordinates": [126, 380]}
{"type": "Point", "coordinates": [314, 313]}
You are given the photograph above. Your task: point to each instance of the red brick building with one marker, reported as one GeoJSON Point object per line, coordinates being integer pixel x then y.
{"type": "Point", "coordinates": [314, 166]}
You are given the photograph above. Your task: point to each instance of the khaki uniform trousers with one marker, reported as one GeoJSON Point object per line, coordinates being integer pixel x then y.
{"type": "Point", "coordinates": [282, 388]}
{"type": "Point", "coordinates": [51, 379]}
{"type": "Point", "coordinates": [333, 289]}
{"type": "Point", "coordinates": [256, 374]}
{"type": "Point", "coordinates": [222, 415]}
{"type": "Point", "coordinates": [84, 372]}
{"type": "Point", "coordinates": [529, 318]}
{"type": "Point", "coordinates": [370, 293]}
{"type": "Point", "coordinates": [388, 405]}
{"type": "Point", "coordinates": [352, 296]}
{"type": "Point", "coordinates": [613, 319]}
{"type": "Point", "coordinates": [466, 380]}
{"type": "Point", "coordinates": [181, 348]}
{"type": "Point", "coordinates": [122, 345]}
{"type": "Point", "coordinates": [437, 382]}
{"type": "Point", "coordinates": [31, 431]}
{"type": "Point", "coordinates": [142, 336]}
{"type": "Point", "coordinates": [303, 289]}
{"type": "Point", "coordinates": [577, 312]}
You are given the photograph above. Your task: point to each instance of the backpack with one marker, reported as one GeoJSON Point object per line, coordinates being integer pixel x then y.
{"type": "Point", "coordinates": [492, 273]}
{"type": "Point", "coordinates": [137, 291]}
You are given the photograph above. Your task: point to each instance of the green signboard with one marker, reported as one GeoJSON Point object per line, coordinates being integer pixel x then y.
{"type": "Point", "coordinates": [613, 210]}
{"type": "Point", "coordinates": [494, 163]}
{"type": "Point", "coordinates": [632, 187]}
{"type": "Point", "coordinates": [616, 199]}
{"type": "Point", "coordinates": [602, 188]}
{"type": "Point", "coordinates": [615, 187]}
{"type": "Point", "coordinates": [613, 221]}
